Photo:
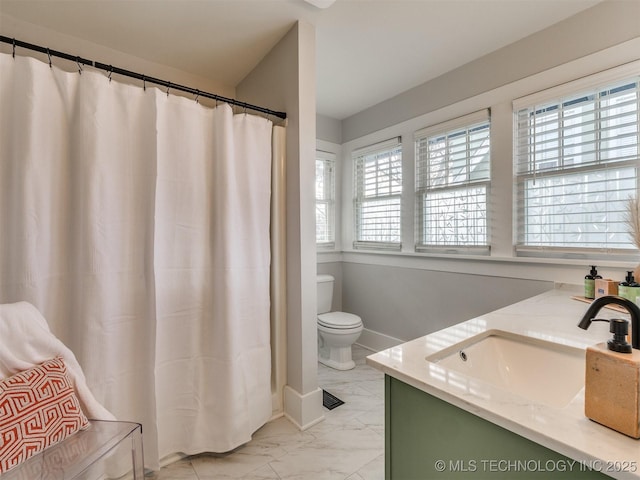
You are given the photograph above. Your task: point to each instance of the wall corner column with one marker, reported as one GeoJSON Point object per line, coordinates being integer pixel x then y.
{"type": "Point", "coordinates": [286, 80]}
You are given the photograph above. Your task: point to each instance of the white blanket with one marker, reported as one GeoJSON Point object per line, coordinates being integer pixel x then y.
{"type": "Point", "coordinates": [26, 341]}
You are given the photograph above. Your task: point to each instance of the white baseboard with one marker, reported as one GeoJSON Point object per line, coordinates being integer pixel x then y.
{"type": "Point", "coordinates": [377, 341]}
{"type": "Point", "coordinates": [304, 411]}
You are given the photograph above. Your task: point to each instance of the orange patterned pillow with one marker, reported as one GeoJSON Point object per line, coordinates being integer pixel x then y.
{"type": "Point", "coordinates": [38, 408]}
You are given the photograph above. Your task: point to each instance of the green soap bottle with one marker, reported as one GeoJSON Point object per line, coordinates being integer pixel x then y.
{"type": "Point", "coordinates": [590, 283]}
{"type": "Point", "coordinates": [624, 285]}
{"type": "Point", "coordinates": [629, 289]}
{"type": "Point", "coordinates": [633, 290]}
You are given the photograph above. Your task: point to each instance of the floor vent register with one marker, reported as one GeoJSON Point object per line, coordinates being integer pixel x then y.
{"type": "Point", "coordinates": [330, 401]}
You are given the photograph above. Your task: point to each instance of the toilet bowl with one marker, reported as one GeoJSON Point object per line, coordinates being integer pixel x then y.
{"type": "Point", "coordinates": [337, 331]}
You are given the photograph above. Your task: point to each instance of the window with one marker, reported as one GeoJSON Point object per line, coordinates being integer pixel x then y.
{"type": "Point", "coordinates": [576, 164]}
{"type": "Point", "coordinates": [452, 183]}
{"type": "Point", "coordinates": [325, 199]}
{"type": "Point", "coordinates": [378, 188]}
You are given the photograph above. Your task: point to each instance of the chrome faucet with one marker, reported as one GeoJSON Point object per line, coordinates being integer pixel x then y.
{"type": "Point", "coordinates": [631, 307]}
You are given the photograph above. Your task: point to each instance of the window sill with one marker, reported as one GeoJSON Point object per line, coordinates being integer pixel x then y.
{"type": "Point", "coordinates": [495, 258]}
{"type": "Point", "coordinates": [571, 271]}
{"type": "Point", "coordinates": [328, 256]}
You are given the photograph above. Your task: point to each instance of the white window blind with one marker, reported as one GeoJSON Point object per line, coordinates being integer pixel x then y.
{"type": "Point", "coordinates": [378, 190]}
{"type": "Point", "coordinates": [453, 174]}
{"type": "Point", "coordinates": [576, 163]}
{"type": "Point", "coordinates": [325, 199]}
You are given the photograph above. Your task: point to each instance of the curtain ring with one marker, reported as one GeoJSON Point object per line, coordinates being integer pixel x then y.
{"type": "Point", "coordinates": [49, 55]}
{"type": "Point", "coordinates": [79, 66]}
{"type": "Point", "coordinates": [197, 95]}
{"type": "Point", "coordinates": [14, 48]}
{"type": "Point", "coordinates": [168, 87]}
{"type": "Point", "coordinates": [144, 83]}
{"type": "Point", "coordinates": [110, 72]}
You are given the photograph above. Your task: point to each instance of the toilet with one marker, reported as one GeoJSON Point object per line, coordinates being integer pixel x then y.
{"type": "Point", "coordinates": [337, 331]}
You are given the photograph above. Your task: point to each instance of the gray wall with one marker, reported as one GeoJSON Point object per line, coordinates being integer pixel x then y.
{"type": "Point", "coordinates": [407, 303]}
{"type": "Point", "coordinates": [607, 24]}
{"type": "Point", "coordinates": [328, 129]}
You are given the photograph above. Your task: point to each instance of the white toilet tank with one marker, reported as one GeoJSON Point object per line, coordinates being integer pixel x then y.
{"type": "Point", "coordinates": [325, 293]}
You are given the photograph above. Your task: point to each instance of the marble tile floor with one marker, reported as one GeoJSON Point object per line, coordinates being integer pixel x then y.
{"type": "Point", "coordinates": [347, 445]}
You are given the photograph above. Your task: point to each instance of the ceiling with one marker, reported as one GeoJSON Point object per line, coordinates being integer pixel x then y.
{"type": "Point", "coordinates": [367, 50]}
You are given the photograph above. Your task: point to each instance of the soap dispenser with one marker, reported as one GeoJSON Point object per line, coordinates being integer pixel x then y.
{"type": "Point", "coordinates": [629, 289]}
{"type": "Point", "coordinates": [612, 378]}
{"type": "Point", "coordinates": [622, 286]}
{"type": "Point", "coordinates": [590, 283]}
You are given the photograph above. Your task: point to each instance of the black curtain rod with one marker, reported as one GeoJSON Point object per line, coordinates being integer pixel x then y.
{"type": "Point", "coordinates": [127, 73]}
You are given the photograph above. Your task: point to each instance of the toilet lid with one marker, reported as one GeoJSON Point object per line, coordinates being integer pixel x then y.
{"type": "Point", "coordinates": [339, 320]}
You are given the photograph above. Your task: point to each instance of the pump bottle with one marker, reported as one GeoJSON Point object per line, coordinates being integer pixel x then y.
{"type": "Point", "coordinates": [590, 283]}
{"type": "Point", "coordinates": [629, 289]}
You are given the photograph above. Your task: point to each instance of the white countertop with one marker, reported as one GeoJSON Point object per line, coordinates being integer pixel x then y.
{"type": "Point", "coordinates": [551, 316]}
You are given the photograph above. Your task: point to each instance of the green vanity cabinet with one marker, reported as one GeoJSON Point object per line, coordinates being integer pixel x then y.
{"type": "Point", "coordinates": [428, 438]}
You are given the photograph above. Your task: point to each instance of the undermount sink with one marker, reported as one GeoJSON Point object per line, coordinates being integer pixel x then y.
{"type": "Point", "coordinates": [538, 370]}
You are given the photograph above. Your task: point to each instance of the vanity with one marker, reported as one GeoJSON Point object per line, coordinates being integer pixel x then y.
{"type": "Point", "coordinates": [501, 396]}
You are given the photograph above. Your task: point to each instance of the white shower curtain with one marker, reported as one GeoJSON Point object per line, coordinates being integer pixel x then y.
{"type": "Point", "coordinates": [138, 223]}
